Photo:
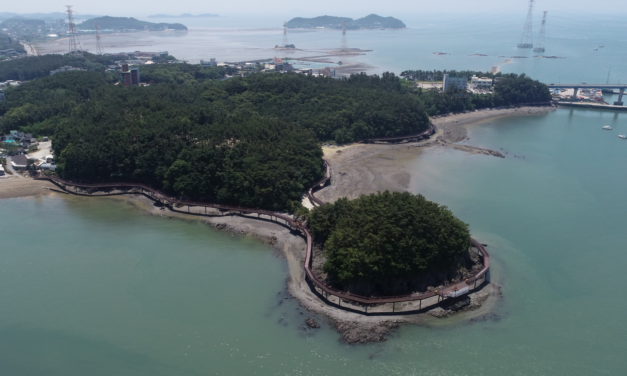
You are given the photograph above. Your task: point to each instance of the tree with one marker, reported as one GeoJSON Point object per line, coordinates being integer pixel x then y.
{"type": "Point", "coordinates": [387, 235]}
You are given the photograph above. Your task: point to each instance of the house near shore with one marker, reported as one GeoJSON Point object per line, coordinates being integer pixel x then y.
{"type": "Point", "coordinates": [480, 82]}
{"type": "Point", "coordinates": [19, 162]}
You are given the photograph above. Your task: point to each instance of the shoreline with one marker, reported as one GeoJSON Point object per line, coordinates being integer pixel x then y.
{"type": "Point", "coordinates": [358, 169]}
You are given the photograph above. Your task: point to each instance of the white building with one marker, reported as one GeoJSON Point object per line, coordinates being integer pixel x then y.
{"type": "Point", "coordinates": [460, 82]}
{"type": "Point", "coordinates": [480, 83]}
{"type": "Point", "coordinates": [211, 63]}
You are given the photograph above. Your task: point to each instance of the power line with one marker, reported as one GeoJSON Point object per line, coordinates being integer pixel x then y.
{"type": "Point", "coordinates": [344, 45]}
{"type": "Point", "coordinates": [540, 44]}
{"type": "Point", "coordinates": [525, 40]}
{"type": "Point", "coordinates": [285, 34]}
{"type": "Point", "coordinates": [74, 44]}
{"type": "Point", "coordinates": [99, 47]}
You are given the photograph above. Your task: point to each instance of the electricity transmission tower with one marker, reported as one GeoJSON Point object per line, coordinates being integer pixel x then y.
{"type": "Point", "coordinates": [540, 44]}
{"type": "Point", "coordinates": [99, 47]}
{"type": "Point", "coordinates": [525, 40]}
{"type": "Point", "coordinates": [74, 44]}
{"type": "Point", "coordinates": [344, 45]}
{"type": "Point", "coordinates": [285, 34]}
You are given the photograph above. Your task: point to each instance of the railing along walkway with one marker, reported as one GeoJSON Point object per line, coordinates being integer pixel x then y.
{"type": "Point", "coordinates": [450, 291]}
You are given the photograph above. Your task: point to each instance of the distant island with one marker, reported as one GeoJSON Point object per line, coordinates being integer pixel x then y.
{"type": "Point", "coordinates": [372, 21]}
{"type": "Point", "coordinates": [184, 15]}
{"type": "Point", "coordinates": [127, 23]}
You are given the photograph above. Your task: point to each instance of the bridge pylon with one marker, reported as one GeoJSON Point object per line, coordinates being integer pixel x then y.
{"type": "Point", "coordinates": [619, 102]}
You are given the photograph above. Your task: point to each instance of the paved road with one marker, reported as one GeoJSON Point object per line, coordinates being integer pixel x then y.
{"type": "Point", "coordinates": [10, 168]}
{"type": "Point", "coordinates": [29, 50]}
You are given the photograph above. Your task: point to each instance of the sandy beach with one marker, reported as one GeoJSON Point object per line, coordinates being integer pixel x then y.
{"type": "Point", "coordinates": [13, 187]}
{"type": "Point", "coordinates": [356, 169]}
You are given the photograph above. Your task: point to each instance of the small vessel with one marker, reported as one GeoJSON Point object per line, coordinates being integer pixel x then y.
{"type": "Point", "coordinates": [607, 128]}
{"type": "Point", "coordinates": [601, 46]}
{"type": "Point", "coordinates": [622, 136]}
{"type": "Point", "coordinates": [595, 49]}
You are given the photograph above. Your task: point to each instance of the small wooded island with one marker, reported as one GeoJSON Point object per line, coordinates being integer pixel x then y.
{"type": "Point", "coordinates": [127, 23]}
{"type": "Point", "coordinates": [390, 244]}
{"type": "Point", "coordinates": [372, 21]}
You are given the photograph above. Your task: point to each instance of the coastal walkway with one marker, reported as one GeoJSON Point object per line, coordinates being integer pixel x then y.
{"type": "Point", "coordinates": [346, 300]}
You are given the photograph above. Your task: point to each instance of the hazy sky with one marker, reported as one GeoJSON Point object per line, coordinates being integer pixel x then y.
{"type": "Point", "coordinates": [139, 8]}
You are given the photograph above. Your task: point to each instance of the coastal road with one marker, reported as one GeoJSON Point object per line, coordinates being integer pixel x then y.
{"type": "Point", "coordinates": [31, 51]}
{"type": "Point", "coordinates": [10, 168]}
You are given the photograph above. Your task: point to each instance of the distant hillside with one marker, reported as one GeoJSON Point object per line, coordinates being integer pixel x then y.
{"type": "Point", "coordinates": [184, 15]}
{"type": "Point", "coordinates": [21, 22]}
{"type": "Point", "coordinates": [45, 16]}
{"type": "Point", "coordinates": [372, 21]}
{"type": "Point", "coordinates": [122, 23]}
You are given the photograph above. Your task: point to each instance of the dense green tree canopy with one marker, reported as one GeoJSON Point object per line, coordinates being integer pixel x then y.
{"type": "Point", "coordinates": [342, 110]}
{"type": "Point", "coordinates": [387, 235]}
{"type": "Point", "coordinates": [7, 43]}
{"type": "Point", "coordinates": [32, 67]}
{"type": "Point", "coordinates": [181, 73]}
{"type": "Point", "coordinates": [250, 141]}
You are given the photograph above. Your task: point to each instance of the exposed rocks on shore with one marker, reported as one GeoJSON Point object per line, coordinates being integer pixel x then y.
{"type": "Point", "coordinates": [360, 332]}
{"type": "Point", "coordinates": [464, 303]}
{"type": "Point", "coordinates": [311, 323]}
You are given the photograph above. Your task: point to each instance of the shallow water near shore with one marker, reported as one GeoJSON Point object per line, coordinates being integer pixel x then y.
{"type": "Point", "coordinates": [553, 215]}
{"type": "Point", "coordinates": [95, 286]}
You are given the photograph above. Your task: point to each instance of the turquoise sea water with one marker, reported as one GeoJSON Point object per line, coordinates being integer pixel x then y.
{"type": "Point", "coordinates": [93, 286]}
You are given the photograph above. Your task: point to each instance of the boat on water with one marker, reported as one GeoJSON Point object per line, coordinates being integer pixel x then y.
{"type": "Point", "coordinates": [622, 136]}
{"type": "Point", "coordinates": [601, 46]}
{"type": "Point", "coordinates": [595, 49]}
{"type": "Point", "coordinates": [607, 127]}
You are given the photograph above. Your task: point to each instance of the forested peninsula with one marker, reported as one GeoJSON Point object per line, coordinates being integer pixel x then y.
{"type": "Point", "coordinates": [252, 141]}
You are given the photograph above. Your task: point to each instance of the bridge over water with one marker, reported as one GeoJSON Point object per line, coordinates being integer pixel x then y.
{"type": "Point", "coordinates": [620, 87]}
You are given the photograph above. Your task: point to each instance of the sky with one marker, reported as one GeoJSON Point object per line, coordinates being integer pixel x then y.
{"type": "Point", "coordinates": [291, 8]}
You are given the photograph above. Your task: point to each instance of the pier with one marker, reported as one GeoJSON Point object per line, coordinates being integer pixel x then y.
{"type": "Point", "coordinates": [620, 87]}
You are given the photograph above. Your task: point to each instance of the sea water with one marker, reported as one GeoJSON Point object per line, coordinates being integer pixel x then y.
{"type": "Point", "coordinates": [95, 286]}
{"type": "Point", "coordinates": [570, 36]}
